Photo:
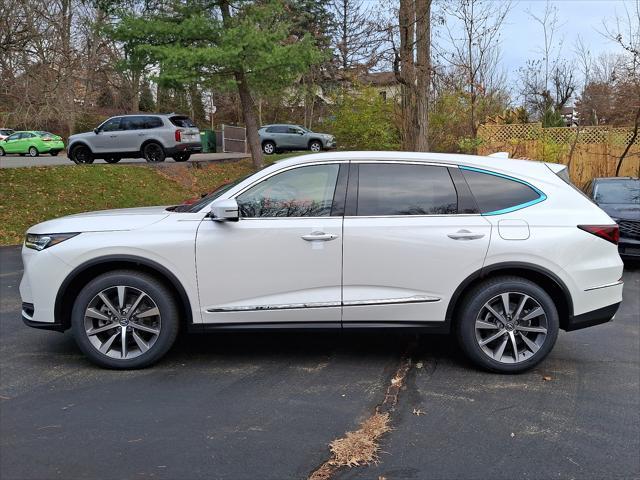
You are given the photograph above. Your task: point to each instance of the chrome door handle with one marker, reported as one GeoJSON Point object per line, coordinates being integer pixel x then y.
{"type": "Point", "coordinates": [465, 235]}
{"type": "Point", "coordinates": [324, 237]}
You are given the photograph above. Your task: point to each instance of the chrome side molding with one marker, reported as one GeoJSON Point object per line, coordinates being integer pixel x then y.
{"type": "Point", "coordinates": [349, 303]}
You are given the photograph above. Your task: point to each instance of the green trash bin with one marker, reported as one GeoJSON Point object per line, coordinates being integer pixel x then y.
{"type": "Point", "coordinates": [208, 140]}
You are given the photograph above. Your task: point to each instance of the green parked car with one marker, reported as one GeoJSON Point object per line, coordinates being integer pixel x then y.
{"type": "Point", "coordinates": [31, 143]}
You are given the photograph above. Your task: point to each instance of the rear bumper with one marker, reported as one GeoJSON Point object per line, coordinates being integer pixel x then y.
{"type": "Point", "coordinates": [595, 317]}
{"type": "Point", "coordinates": [194, 147]}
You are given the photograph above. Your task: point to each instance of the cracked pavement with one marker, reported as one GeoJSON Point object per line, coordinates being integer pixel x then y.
{"type": "Point", "coordinates": [266, 405]}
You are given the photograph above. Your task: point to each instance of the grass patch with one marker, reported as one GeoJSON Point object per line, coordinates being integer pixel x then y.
{"type": "Point", "coordinates": [33, 195]}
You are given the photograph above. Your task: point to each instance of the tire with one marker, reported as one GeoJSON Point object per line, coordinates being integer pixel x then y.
{"type": "Point", "coordinates": [33, 152]}
{"type": "Point", "coordinates": [53, 153]}
{"type": "Point", "coordinates": [81, 155]}
{"type": "Point", "coordinates": [2, 152]}
{"type": "Point", "coordinates": [315, 146]}
{"type": "Point", "coordinates": [269, 147]}
{"type": "Point", "coordinates": [112, 160]}
{"type": "Point", "coordinates": [146, 342]}
{"type": "Point", "coordinates": [153, 152]}
{"type": "Point", "coordinates": [181, 157]}
{"type": "Point", "coordinates": [475, 325]}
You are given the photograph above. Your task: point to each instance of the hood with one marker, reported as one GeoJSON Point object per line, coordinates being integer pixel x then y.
{"type": "Point", "coordinates": [103, 220]}
{"type": "Point", "coordinates": [622, 211]}
{"type": "Point", "coordinates": [78, 136]}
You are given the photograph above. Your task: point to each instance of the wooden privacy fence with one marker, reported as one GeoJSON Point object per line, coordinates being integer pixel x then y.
{"type": "Point", "coordinates": [591, 151]}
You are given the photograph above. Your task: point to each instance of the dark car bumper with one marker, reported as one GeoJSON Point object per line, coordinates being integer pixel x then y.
{"type": "Point", "coordinates": [194, 147]}
{"type": "Point", "coordinates": [595, 317]}
{"type": "Point", "coordinates": [629, 247]}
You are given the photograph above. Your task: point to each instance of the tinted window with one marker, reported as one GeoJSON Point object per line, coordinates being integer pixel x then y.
{"type": "Point", "coordinates": [132, 123]}
{"type": "Point", "coordinates": [396, 189]}
{"type": "Point", "coordinates": [300, 192]}
{"type": "Point", "coordinates": [295, 130]}
{"type": "Point", "coordinates": [6, 132]}
{"type": "Point", "coordinates": [152, 122]}
{"type": "Point", "coordinates": [278, 129]}
{"type": "Point", "coordinates": [111, 125]}
{"type": "Point", "coordinates": [182, 121]}
{"type": "Point", "coordinates": [617, 191]}
{"type": "Point", "coordinates": [15, 136]}
{"type": "Point", "coordinates": [493, 193]}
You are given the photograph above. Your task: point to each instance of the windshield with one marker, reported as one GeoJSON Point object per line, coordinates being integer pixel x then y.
{"type": "Point", "coordinates": [195, 207]}
{"type": "Point", "coordinates": [619, 191]}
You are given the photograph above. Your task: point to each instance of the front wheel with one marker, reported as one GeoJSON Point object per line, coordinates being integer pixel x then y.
{"type": "Point", "coordinates": [33, 152]}
{"type": "Point", "coordinates": [153, 153]}
{"type": "Point", "coordinates": [81, 154]}
{"type": "Point", "coordinates": [182, 157]}
{"type": "Point", "coordinates": [507, 324]}
{"type": "Point", "coordinates": [2, 152]}
{"type": "Point", "coordinates": [125, 319]}
{"type": "Point", "coordinates": [315, 146]}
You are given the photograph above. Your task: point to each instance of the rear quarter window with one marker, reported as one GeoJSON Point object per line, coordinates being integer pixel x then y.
{"type": "Point", "coordinates": [182, 121]}
{"type": "Point", "coordinates": [499, 194]}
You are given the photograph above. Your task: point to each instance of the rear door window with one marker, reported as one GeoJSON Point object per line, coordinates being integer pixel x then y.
{"type": "Point", "coordinates": [495, 193]}
{"type": "Point", "coordinates": [152, 122]}
{"type": "Point", "coordinates": [405, 189]}
{"type": "Point", "coordinates": [132, 123]}
{"type": "Point", "coordinates": [278, 129]}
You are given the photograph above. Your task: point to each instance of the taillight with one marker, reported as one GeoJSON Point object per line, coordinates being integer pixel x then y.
{"type": "Point", "coordinates": [610, 233]}
{"type": "Point", "coordinates": [178, 136]}
{"type": "Point", "coordinates": [47, 139]}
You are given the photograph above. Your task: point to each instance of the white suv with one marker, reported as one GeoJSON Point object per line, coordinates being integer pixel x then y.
{"type": "Point", "coordinates": [152, 137]}
{"type": "Point", "coordinates": [501, 252]}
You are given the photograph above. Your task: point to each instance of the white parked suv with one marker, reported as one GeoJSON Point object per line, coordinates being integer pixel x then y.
{"type": "Point", "coordinates": [503, 253]}
{"type": "Point", "coordinates": [152, 137]}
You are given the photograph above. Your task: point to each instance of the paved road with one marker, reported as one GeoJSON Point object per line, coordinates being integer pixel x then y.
{"type": "Point", "coordinates": [265, 406]}
{"type": "Point", "coordinates": [14, 161]}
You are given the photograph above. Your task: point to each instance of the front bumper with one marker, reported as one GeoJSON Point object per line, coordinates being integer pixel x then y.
{"type": "Point", "coordinates": [595, 317]}
{"type": "Point", "coordinates": [193, 147]}
{"type": "Point", "coordinates": [27, 317]}
{"type": "Point", "coordinates": [329, 144]}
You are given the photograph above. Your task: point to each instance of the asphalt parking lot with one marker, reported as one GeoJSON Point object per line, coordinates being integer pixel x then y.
{"type": "Point", "coordinates": [44, 160]}
{"type": "Point", "coordinates": [266, 406]}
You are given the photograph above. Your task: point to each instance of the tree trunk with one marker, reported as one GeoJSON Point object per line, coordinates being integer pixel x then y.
{"type": "Point", "coordinates": [423, 73]}
{"type": "Point", "coordinates": [407, 19]}
{"type": "Point", "coordinates": [246, 102]}
{"type": "Point", "coordinates": [631, 142]}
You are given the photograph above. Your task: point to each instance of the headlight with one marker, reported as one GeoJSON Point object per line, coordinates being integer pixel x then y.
{"type": "Point", "coordinates": [42, 241]}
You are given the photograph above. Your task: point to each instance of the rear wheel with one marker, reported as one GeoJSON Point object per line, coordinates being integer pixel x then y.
{"type": "Point", "coordinates": [125, 319]}
{"type": "Point", "coordinates": [33, 152]}
{"type": "Point", "coordinates": [112, 160]}
{"type": "Point", "coordinates": [269, 147]}
{"type": "Point", "coordinates": [507, 324]}
{"type": "Point", "coordinates": [315, 146]}
{"type": "Point", "coordinates": [81, 154]}
{"type": "Point", "coordinates": [182, 157]}
{"type": "Point", "coordinates": [2, 152]}
{"type": "Point", "coordinates": [153, 152]}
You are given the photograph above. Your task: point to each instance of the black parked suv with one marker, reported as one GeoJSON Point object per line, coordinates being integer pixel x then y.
{"type": "Point", "coordinates": [620, 198]}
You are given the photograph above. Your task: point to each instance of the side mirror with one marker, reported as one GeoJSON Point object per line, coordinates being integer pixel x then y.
{"type": "Point", "coordinates": [224, 210]}
{"type": "Point", "coordinates": [96, 131]}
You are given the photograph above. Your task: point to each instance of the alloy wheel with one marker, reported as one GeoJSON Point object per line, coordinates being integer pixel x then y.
{"type": "Point", "coordinates": [511, 327]}
{"type": "Point", "coordinates": [153, 153]}
{"type": "Point", "coordinates": [268, 148]}
{"type": "Point", "coordinates": [122, 322]}
{"type": "Point", "coordinates": [315, 147]}
{"type": "Point", "coordinates": [33, 152]}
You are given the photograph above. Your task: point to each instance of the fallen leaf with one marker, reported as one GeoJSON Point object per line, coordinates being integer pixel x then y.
{"type": "Point", "coordinates": [418, 412]}
{"type": "Point", "coordinates": [546, 378]}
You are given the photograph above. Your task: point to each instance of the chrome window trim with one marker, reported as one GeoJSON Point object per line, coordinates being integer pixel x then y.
{"type": "Point", "coordinates": [351, 217]}
{"type": "Point", "coordinates": [408, 162]}
{"type": "Point", "coordinates": [349, 303]}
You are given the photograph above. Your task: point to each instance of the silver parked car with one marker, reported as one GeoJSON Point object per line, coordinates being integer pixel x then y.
{"type": "Point", "coordinates": [293, 137]}
{"type": "Point", "coordinates": [152, 137]}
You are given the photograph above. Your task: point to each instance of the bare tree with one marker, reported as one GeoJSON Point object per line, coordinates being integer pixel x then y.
{"type": "Point", "coordinates": [472, 46]}
{"type": "Point", "coordinates": [356, 41]}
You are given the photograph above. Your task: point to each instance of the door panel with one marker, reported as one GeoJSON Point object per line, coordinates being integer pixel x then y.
{"type": "Point", "coordinates": [262, 270]}
{"type": "Point", "coordinates": [411, 259]}
{"type": "Point", "coordinates": [282, 261]}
